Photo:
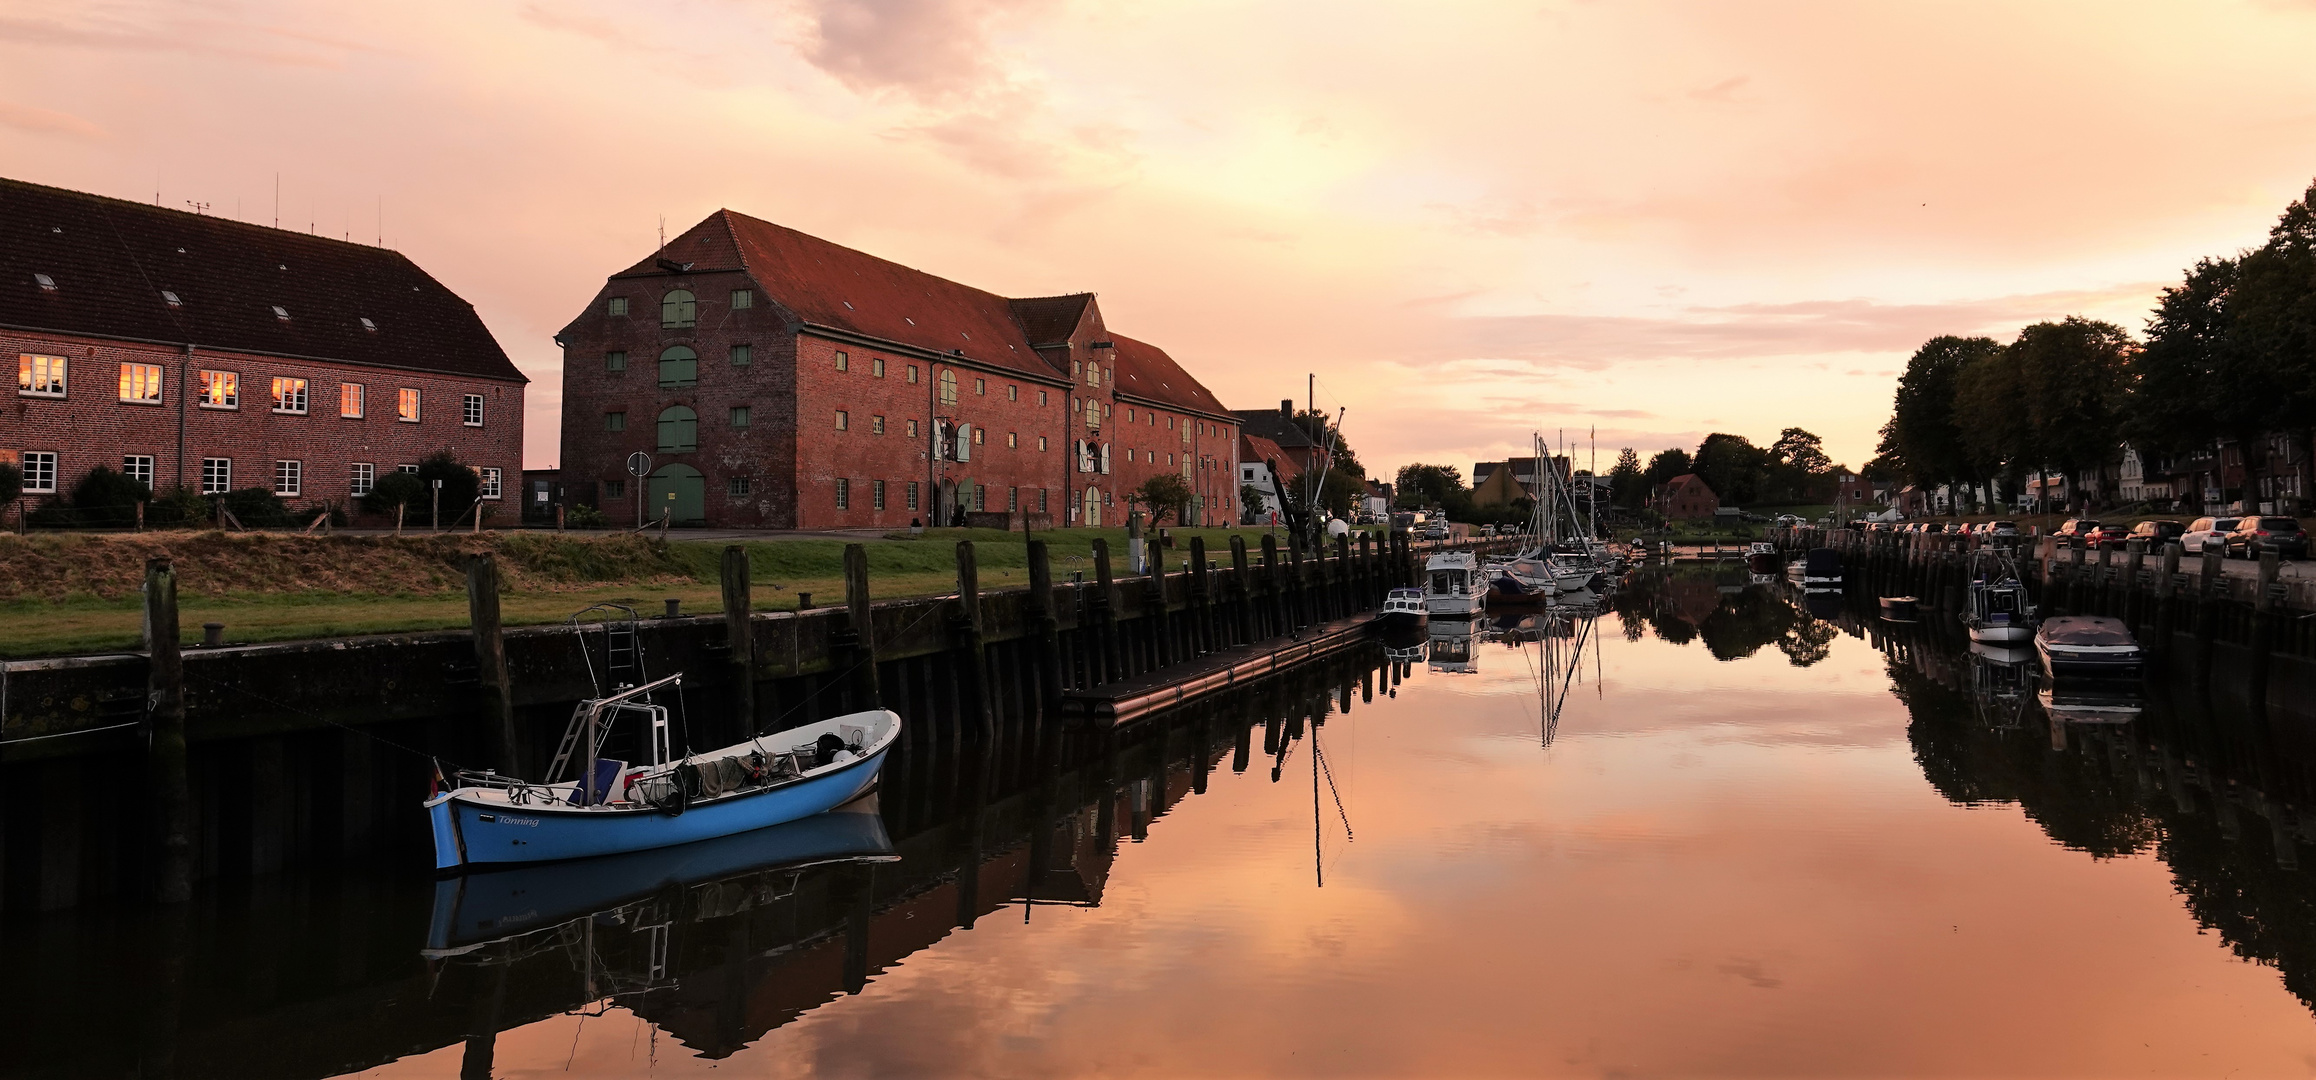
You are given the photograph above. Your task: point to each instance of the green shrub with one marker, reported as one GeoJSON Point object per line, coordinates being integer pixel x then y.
{"type": "Point", "coordinates": [394, 489]}
{"type": "Point", "coordinates": [107, 499]}
{"type": "Point", "coordinates": [179, 506]}
{"type": "Point", "coordinates": [11, 482]}
{"type": "Point", "coordinates": [257, 508]}
{"type": "Point", "coordinates": [583, 517]}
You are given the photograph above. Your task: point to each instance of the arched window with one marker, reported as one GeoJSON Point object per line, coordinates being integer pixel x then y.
{"type": "Point", "coordinates": [679, 429]}
{"type": "Point", "coordinates": [948, 388]}
{"type": "Point", "coordinates": [679, 367]}
{"type": "Point", "coordinates": [677, 310]}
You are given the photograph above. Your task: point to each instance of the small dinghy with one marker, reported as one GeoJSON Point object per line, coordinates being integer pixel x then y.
{"type": "Point", "coordinates": [609, 807]}
{"type": "Point", "coordinates": [1900, 608]}
{"type": "Point", "coordinates": [1403, 610]}
{"type": "Point", "coordinates": [2087, 647]}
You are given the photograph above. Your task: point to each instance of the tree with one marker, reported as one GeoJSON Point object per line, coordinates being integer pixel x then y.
{"type": "Point", "coordinates": [1666, 465]}
{"type": "Point", "coordinates": [1798, 449]}
{"type": "Point", "coordinates": [394, 489]}
{"type": "Point", "coordinates": [1997, 439]}
{"type": "Point", "coordinates": [1732, 466]}
{"type": "Point", "coordinates": [107, 498]}
{"type": "Point", "coordinates": [2072, 376]}
{"type": "Point", "coordinates": [1421, 486]}
{"type": "Point", "coordinates": [1624, 481]}
{"type": "Point", "coordinates": [1251, 501]}
{"type": "Point", "coordinates": [2173, 377]}
{"type": "Point", "coordinates": [1923, 429]}
{"type": "Point", "coordinates": [1165, 493]}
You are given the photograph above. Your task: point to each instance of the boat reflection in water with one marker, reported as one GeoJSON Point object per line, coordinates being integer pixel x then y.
{"type": "Point", "coordinates": [1454, 646]}
{"type": "Point", "coordinates": [475, 910]}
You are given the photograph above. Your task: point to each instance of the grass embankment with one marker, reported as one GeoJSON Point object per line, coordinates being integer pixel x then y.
{"type": "Point", "coordinates": [80, 593]}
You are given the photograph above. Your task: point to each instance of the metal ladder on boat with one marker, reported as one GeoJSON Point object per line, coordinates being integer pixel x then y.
{"type": "Point", "coordinates": [622, 668]}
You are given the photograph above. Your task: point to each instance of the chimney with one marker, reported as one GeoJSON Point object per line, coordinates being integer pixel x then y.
{"type": "Point", "coordinates": [1287, 408]}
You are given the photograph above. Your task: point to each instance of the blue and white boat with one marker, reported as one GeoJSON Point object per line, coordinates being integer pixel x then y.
{"type": "Point", "coordinates": [610, 807]}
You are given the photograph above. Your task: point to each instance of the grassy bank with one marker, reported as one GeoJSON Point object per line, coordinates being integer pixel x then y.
{"type": "Point", "coordinates": [64, 593]}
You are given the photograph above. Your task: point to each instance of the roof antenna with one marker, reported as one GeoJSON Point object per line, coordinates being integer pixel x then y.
{"type": "Point", "coordinates": [663, 231]}
{"type": "Point", "coordinates": [277, 198]}
{"type": "Point", "coordinates": [381, 221]}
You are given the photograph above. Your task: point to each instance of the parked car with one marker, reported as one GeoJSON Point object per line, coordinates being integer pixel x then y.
{"type": "Point", "coordinates": [2109, 536]}
{"type": "Point", "coordinates": [2158, 533]}
{"type": "Point", "coordinates": [2253, 535]}
{"type": "Point", "coordinates": [2208, 530]}
{"type": "Point", "coordinates": [2077, 532]}
{"type": "Point", "coordinates": [2004, 529]}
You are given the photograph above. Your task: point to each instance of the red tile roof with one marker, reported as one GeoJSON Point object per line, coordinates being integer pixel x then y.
{"type": "Point", "coordinates": [835, 286]}
{"type": "Point", "coordinates": [1145, 371]}
{"type": "Point", "coordinates": [111, 260]}
{"type": "Point", "coordinates": [1257, 448]}
{"type": "Point", "coordinates": [1048, 320]}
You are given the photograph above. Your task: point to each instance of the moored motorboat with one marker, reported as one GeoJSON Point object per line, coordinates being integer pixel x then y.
{"type": "Point", "coordinates": [2087, 647]}
{"type": "Point", "coordinates": [1999, 612]}
{"type": "Point", "coordinates": [1821, 568]}
{"type": "Point", "coordinates": [1452, 585]}
{"type": "Point", "coordinates": [610, 808]}
{"type": "Point", "coordinates": [1403, 610]}
{"type": "Point", "coordinates": [1762, 557]}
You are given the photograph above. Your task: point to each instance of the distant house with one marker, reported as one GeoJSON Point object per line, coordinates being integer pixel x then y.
{"type": "Point", "coordinates": [1378, 502]}
{"type": "Point", "coordinates": [1499, 483]}
{"type": "Point", "coordinates": [1685, 498]}
{"type": "Point", "coordinates": [1255, 457]}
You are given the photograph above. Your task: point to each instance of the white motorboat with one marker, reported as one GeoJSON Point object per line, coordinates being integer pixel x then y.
{"type": "Point", "coordinates": [1999, 612]}
{"type": "Point", "coordinates": [1404, 609]}
{"type": "Point", "coordinates": [1453, 585]}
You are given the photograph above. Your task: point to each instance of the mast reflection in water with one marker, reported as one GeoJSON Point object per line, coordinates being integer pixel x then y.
{"type": "Point", "coordinates": [1765, 832]}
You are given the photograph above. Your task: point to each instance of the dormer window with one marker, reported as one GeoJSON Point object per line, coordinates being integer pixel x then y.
{"type": "Point", "coordinates": [170, 299]}
{"type": "Point", "coordinates": [45, 282]}
{"type": "Point", "coordinates": [280, 312]}
{"type": "Point", "coordinates": [370, 326]}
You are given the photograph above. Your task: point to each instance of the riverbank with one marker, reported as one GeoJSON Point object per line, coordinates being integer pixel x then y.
{"type": "Point", "coordinates": [79, 593]}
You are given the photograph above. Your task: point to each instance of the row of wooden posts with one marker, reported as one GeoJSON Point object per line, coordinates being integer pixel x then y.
{"type": "Point", "coordinates": [1119, 628]}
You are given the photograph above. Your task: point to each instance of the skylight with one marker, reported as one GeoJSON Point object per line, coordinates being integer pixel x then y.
{"type": "Point", "coordinates": [45, 282]}
{"type": "Point", "coordinates": [280, 312]}
{"type": "Point", "coordinates": [370, 326]}
{"type": "Point", "coordinates": [170, 299]}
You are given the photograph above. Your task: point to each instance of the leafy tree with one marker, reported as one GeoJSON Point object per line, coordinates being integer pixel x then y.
{"type": "Point", "coordinates": [1320, 428]}
{"type": "Point", "coordinates": [2072, 377]}
{"type": "Point", "coordinates": [11, 482]}
{"type": "Point", "coordinates": [104, 498]}
{"type": "Point", "coordinates": [1990, 408]}
{"type": "Point", "coordinates": [1163, 494]}
{"type": "Point", "coordinates": [1624, 481]}
{"type": "Point", "coordinates": [460, 483]}
{"type": "Point", "coordinates": [1923, 426]}
{"type": "Point", "coordinates": [1251, 500]}
{"type": "Point", "coordinates": [1337, 495]}
{"type": "Point", "coordinates": [1732, 466]}
{"type": "Point", "coordinates": [1421, 486]}
{"type": "Point", "coordinates": [1799, 449]}
{"type": "Point", "coordinates": [395, 489]}
{"type": "Point", "coordinates": [256, 508]}
{"type": "Point", "coordinates": [2263, 381]}
{"type": "Point", "coordinates": [1666, 465]}
{"type": "Point", "coordinates": [2175, 374]}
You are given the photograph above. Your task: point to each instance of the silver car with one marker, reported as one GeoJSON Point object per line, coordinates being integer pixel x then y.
{"type": "Point", "coordinates": [2212, 530]}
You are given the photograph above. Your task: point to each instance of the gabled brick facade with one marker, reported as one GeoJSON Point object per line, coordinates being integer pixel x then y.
{"type": "Point", "coordinates": [856, 370]}
{"type": "Point", "coordinates": [137, 302]}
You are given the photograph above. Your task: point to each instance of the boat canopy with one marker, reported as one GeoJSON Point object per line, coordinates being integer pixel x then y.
{"type": "Point", "coordinates": [2086, 630]}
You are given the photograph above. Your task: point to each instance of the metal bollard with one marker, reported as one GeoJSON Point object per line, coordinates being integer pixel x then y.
{"type": "Point", "coordinates": [212, 634]}
{"type": "Point", "coordinates": [675, 607]}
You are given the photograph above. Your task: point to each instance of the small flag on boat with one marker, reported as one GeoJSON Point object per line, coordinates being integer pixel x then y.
{"type": "Point", "coordinates": [434, 786]}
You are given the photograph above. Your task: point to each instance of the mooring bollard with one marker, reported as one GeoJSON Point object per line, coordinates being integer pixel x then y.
{"type": "Point", "coordinates": [976, 692]}
{"type": "Point", "coordinates": [675, 607]}
{"type": "Point", "coordinates": [740, 634]}
{"type": "Point", "coordinates": [165, 754]}
{"type": "Point", "coordinates": [212, 635]}
{"type": "Point", "coordinates": [856, 599]}
{"type": "Point", "coordinates": [803, 601]}
{"type": "Point", "coordinates": [1048, 631]}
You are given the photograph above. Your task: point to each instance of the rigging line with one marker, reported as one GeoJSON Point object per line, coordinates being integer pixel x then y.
{"type": "Point", "coordinates": [1331, 790]}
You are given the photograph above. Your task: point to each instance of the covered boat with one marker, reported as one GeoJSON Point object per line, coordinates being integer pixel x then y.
{"type": "Point", "coordinates": [1452, 585]}
{"type": "Point", "coordinates": [609, 807]}
{"type": "Point", "coordinates": [1403, 609]}
{"type": "Point", "coordinates": [2087, 647]}
{"type": "Point", "coordinates": [1998, 612]}
{"type": "Point", "coordinates": [1762, 557]}
{"type": "Point", "coordinates": [1821, 568]}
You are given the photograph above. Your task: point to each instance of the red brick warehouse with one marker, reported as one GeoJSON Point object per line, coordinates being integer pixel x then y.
{"type": "Point", "coordinates": [776, 380]}
{"type": "Point", "coordinates": [199, 352]}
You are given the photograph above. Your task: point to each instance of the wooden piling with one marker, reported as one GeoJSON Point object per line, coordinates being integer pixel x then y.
{"type": "Point", "coordinates": [497, 701]}
{"type": "Point", "coordinates": [1242, 598]}
{"type": "Point", "coordinates": [1048, 631]}
{"type": "Point", "coordinates": [165, 754]}
{"type": "Point", "coordinates": [1106, 653]}
{"type": "Point", "coordinates": [980, 714]}
{"type": "Point", "coordinates": [740, 636]}
{"type": "Point", "coordinates": [1274, 593]}
{"type": "Point", "coordinates": [1201, 623]}
{"type": "Point", "coordinates": [862, 627]}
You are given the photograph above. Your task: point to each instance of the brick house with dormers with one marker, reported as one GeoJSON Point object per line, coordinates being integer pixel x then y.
{"type": "Point", "coordinates": [772, 379]}
{"type": "Point", "coordinates": [199, 352]}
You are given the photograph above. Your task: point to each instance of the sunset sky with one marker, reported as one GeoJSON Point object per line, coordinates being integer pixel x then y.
{"type": "Point", "coordinates": [1470, 220]}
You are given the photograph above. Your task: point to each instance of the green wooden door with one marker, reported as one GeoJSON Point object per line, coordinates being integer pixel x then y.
{"type": "Point", "coordinates": [689, 505]}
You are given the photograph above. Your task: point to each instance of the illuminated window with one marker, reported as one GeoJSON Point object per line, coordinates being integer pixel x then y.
{"type": "Point", "coordinates": [40, 376]}
{"type": "Point", "coordinates": [220, 390]}
{"type": "Point", "coordinates": [289, 396]}
{"type": "Point", "coordinates": [350, 400]}
{"type": "Point", "coordinates": [876, 425]}
{"type": "Point", "coordinates": [406, 405]}
{"type": "Point", "coordinates": [141, 383]}
{"type": "Point", "coordinates": [912, 429]}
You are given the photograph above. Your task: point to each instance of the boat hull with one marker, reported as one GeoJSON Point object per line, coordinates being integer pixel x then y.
{"type": "Point", "coordinates": [2071, 665]}
{"type": "Point", "coordinates": [472, 832]}
{"type": "Point", "coordinates": [1404, 621]}
{"type": "Point", "coordinates": [2001, 633]}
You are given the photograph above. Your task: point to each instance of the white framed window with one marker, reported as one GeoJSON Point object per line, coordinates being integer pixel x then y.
{"type": "Point", "coordinates": [406, 468]}
{"type": "Point", "coordinates": [289, 396]}
{"type": "Point", "coordinates": [138, 467]}
{"type": "Point", "coordinates": [40, 376]}
{"type": "Point", "coordinates": [350, 400]}
{"type": "Point", "coordinates": [39, 472]}
{"type": "Point", "coordinates": [141, 384]}
{"type": "Point", "coordinates": [289, 477]}
{"type": "Point", "coordinates": [490, 482]}
{"type": "Point", "coordinates": [406, 405]}
{"type": "Point", "coordinates": [470, 410]}
{"type": "Point", "coordinates": [365, 477]}
{"type": "Point", "coordinates": [216, 475]}
{"type": "Point", "coordinates": [220, 390]}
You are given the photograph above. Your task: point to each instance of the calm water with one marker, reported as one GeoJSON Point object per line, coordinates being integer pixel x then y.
{"type": "Point", "coordinates": [1708, 833]}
